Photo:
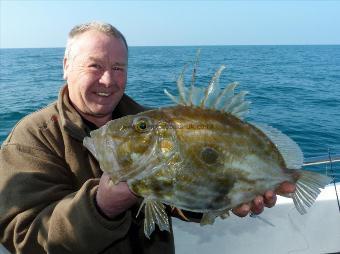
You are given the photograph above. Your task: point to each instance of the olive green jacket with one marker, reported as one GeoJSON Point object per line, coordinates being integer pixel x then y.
{"type": "Point", "coordinates": [48, 181]}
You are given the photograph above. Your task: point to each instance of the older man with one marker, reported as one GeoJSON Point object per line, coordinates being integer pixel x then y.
{"type": "Point", "coordinates": [53, 195]}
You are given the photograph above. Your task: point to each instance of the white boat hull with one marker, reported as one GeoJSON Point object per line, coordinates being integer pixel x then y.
{"type": "Point", "coordinates": [280, 229]}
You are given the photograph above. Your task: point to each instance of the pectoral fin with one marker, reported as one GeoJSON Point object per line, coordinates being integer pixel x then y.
{"type": "Point", "coordinates": [154, 214]}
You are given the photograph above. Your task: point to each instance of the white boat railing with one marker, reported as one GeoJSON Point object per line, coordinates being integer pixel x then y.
{"type": "Point", "coordinates": [319, 160]}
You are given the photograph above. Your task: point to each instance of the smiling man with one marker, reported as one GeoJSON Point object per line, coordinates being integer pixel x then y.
{"type": "Point", "coordinates": [95, 67]}
{"type": "Point", "coordinates": [53, 195]}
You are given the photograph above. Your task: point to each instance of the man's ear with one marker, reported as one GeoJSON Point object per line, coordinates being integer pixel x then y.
{"type": "Point", "coordinates": [66, 66]}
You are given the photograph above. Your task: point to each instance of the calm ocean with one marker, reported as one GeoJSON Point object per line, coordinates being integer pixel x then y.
{"type": "Point", "coordinates": [293, 88]}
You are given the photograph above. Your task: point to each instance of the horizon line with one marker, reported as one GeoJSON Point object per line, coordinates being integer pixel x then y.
{"type": "Point", "coordinates": [198, 45]}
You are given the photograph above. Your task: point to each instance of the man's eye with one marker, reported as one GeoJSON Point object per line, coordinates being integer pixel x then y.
{"type": "Point", "coordinates": [116, 68]}
{"type": "Point", "coordinates": [95, 66]}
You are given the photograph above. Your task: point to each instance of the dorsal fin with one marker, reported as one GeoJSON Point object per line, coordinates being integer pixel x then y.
{"type": "Point", "coordinates": [289, 150]}
{"type": "Point", "coordinates": [211, 97]}
{"type": "Point", "coordinates": [213, 90]}
{"type": "Point", "coordinates": [193, 76]}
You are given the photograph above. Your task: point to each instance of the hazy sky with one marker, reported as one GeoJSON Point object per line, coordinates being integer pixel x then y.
{"type": "Point", "coordinates": [46, 23]}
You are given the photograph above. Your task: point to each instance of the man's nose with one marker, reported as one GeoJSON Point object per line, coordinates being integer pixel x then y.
{"type": "Point", "coordinates": [107, 78]}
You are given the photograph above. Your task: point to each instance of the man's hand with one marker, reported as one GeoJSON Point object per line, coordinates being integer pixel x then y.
{"type": "Point", "coordinates": [267, 200]}
{"type": "Point", "coordinates": [113, 199]}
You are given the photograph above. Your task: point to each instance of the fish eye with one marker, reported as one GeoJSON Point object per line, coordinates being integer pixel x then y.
{"type": "Point", "coordinates": [209, 155]}
{"type": "Point", "coordinates": [141, 124]}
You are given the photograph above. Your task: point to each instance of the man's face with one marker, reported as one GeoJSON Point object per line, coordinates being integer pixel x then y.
{"type": "Point", "coordinates": [96, 72]}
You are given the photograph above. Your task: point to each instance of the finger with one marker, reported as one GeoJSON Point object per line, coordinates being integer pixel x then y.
{"type": "Point", "coordinates": [257, 205]}
{"type": "Point", "coordinates": [286, 188]}
{"type": "Point", "coordinates": [242, 210]}
{"type": "Point", "coordinates": [105, 179]}
{"type": "Point", "coordinates": [115, 199]}
{"type": "Point", "coordinates": [107, 187]}
{"type": "Point", "coordinates": [269, 199]}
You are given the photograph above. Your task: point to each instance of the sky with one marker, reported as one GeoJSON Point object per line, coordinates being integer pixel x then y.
{"type": "Point", "coordinates": [27, 24]}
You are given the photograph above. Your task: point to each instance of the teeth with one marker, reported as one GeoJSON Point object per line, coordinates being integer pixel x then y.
{"type": "Point", "coordinates": [103, 94]}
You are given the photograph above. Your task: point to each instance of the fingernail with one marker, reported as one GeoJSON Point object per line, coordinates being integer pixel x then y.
{"type": "Point", "coordinates": [269, 195]}
{"type": "Point", "coordinates": [245, 208]}
{"type": "Point", "coordinates": [258, 202]}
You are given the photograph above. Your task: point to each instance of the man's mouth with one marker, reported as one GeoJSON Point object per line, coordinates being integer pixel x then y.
{"type": "Point", "coordinates": [103, 94]}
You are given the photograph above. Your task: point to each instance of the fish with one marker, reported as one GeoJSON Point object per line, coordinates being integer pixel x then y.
{"type": "Point", "coordinates": [200, 155]}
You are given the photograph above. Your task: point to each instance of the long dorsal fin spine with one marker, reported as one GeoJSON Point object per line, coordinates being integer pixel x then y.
{"type": "Point", "coordinates": [225, 94]}
{"type": "Point", "coordinates": [242, 114]}
{"type": "Point", "coordinates": [235, 101]}
{"type": "Point", "coordinates": [197, 96]}
{"type": "Point", "coordinates": [212, 87]}
{"type": "Point", "coordinates": [211, 97]}
{"type": "Point", "coordinates": [180, 86]}
{"type": "Point", "coordinates": [193, 77]}
{"type": "Point", "coordinates": [242, 107]}
{"type": "Point", "coordinates": [173, 98]}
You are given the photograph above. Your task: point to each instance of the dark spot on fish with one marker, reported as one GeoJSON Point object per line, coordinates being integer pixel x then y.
{"type": "Point", "coordinates": [221, 187]}
{"type": "Point", "coordinates": [209, 155]}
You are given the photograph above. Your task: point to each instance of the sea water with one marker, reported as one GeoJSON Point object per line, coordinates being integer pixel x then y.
{"type": "Point", "coordinates": [293, 88]}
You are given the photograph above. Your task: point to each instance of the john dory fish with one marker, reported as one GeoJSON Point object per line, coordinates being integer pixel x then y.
{"type": "Point", "coordinates": [200, 155]}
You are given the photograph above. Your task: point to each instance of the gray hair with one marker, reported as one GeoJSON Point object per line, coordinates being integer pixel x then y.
{"type": "Point", "coordinates": [105, 28]}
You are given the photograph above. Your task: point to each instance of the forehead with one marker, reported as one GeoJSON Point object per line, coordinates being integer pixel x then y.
{"type": "Point", "coordinates": [95, 44]}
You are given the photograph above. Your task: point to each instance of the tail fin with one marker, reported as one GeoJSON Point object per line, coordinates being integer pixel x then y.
{"type": "Point", "coordinates": [308, 188]}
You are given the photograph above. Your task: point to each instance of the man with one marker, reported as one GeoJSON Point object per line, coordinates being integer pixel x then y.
{"type": "Point", "coordinates": [53, 195]}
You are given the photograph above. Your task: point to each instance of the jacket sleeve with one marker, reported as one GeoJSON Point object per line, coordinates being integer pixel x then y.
{"type": "Point", "coordinates": [41, 211]}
